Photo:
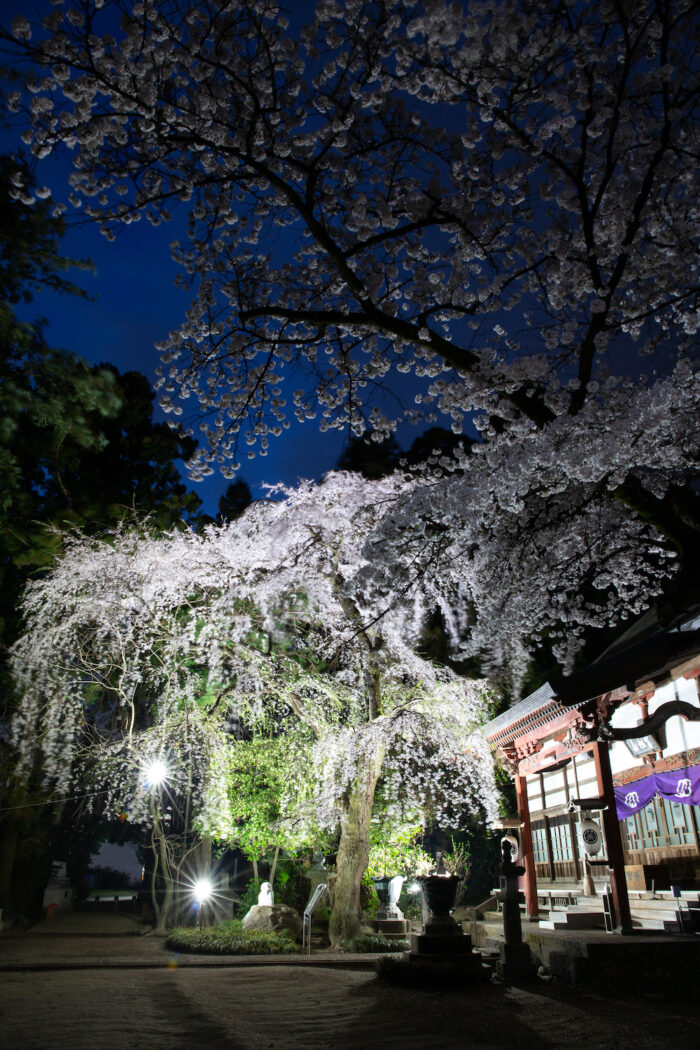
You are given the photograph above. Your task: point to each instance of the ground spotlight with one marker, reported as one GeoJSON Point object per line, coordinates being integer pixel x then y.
{"type": "Point", "coordinates": [203, 890]}
{"type": "Point", "coordinates": [155, 772]}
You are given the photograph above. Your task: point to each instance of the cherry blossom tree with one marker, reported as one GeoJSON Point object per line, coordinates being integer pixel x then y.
{"type": "Point", "coordinates": [496, 200]}
{"type": "Point", "coordinates": [162, 645]}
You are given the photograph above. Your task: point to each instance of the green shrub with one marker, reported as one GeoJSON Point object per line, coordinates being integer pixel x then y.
{"type": "Point", "coordinates": [229, 938]}
{"type": "Point", "coordinates": [374, 942]}
{"type": "Point", "coordinates": [249, 897]}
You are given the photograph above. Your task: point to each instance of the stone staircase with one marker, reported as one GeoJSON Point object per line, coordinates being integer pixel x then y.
{"type": "Point", "coordinates": [587, 915]}
{"type": "Point", "coordinates": [659, 913]}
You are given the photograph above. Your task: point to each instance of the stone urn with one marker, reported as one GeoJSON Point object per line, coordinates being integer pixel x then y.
{"type": "Point", "coordinates": [439, 893]}
{"type": "Point", "coordinates": [442, 938]}
{"type": "Point", "coordinates": [388, 889]}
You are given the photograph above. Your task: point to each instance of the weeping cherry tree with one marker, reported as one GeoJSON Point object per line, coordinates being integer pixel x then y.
{"type": "Point", "coordinates": [273, 620]}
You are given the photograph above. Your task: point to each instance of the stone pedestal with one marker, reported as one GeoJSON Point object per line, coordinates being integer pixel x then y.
{"type": "Point", "coordinates": [442, 940]}
{"type": "Point", "coordinates": [398, 928]}
{"type": "Point", "coordinates": [442, 952]}
{"type": "Point", "coordinates": [515, 962]}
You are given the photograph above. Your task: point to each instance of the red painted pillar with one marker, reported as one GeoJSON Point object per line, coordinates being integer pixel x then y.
{"type": "Point", "coordinates": [616, 858]}
{"type": "Point", "coordinates": [528, 860]}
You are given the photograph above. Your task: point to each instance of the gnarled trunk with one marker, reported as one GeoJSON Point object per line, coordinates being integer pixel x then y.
{"type": "Point", "coordinates": [162, 872]}
{"type": "Point", "coordinates": [353, 852]}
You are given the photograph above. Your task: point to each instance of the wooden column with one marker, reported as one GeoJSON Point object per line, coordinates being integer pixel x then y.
{"type": "Point", "coordinates": [528, 861]}
{"type": "Point", "coordinates": [613, 838]}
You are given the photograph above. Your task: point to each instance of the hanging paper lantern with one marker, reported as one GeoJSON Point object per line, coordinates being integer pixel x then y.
{"type": "Point", "coordinates": [591, 837]}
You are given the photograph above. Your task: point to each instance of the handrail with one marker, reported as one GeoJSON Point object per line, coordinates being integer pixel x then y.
{"type": "Point", "coordinates": [308, 912]}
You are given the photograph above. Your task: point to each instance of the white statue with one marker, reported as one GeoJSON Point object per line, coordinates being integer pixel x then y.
{"type": "Point", "coordinates": [266, 895]}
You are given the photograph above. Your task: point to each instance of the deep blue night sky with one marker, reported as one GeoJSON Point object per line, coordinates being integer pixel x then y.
{"type": "Point", "coordinates": [135, 304]}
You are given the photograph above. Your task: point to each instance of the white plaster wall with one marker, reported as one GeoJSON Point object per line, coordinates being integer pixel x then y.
{"type": "Point", "coordinates": [585, 775]}
{"type": "Point", "coordinates": [680, 735]}
{"type": "Point", "coordinates": [621, 757]}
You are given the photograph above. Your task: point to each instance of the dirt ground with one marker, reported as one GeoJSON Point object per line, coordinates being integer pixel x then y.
{"type": "Point", "coordinates": [130, 992]}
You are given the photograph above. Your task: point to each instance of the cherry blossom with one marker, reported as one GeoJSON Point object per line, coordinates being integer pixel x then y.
{"type": "Point", "coordinates": [497, 200]}
{"type": "Point", "coordinates": [140, 646]}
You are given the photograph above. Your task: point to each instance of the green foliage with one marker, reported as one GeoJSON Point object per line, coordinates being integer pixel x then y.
{"type": "Point", "coordinates": [374, 942]}
{"type": "Point", "coordinates": [410, 902]}
{"type": "Point", "coordinates": [395, 849]}
{"type": "Point", "coordinates": [29, 244]}
{"type": "Point", "coordinates": [458, 861]}
{"type": "Point", "coordinates": [78, 444]}
{"type": "Point", "coordinates": [229, 938]}
{"type": "Point", "coordinates": [249, 898]}
{"type": "Point", "coordinates": [473, 852]}
{"type": "Point", "coordinates": [265, 777]}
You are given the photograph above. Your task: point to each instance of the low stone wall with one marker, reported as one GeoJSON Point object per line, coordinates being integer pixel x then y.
{"type": "Point", "coordinates": [614, 965]}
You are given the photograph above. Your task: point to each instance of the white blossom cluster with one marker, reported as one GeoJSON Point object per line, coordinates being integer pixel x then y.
{"type": "Point", "coordinates": [500, 198]}
{"type": "Point", "coordinates": [139, 645]}
{"type": "Point", "coordinates": [547, 551]}
{"type": "Point", "coordinates": [434, 768]}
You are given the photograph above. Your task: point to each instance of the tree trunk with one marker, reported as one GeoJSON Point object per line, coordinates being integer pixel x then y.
{"type": "Point", "coordinates": [8, 852]}
{"type": "Point", "coordinates": [161, 865]}
{"type": "Point", "coordinates": [273, 866]}
{"type": "Point", "coordinates": [166, 875]}
{"type": "Point", "coordinates": [353, 853]}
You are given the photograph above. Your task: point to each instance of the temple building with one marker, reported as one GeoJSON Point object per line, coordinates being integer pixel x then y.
{"type": "Point", "coordinates": [606, 764]}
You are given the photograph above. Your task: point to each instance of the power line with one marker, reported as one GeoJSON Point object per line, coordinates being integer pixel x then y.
{"type": "Point", "coordinates": [52, 801]}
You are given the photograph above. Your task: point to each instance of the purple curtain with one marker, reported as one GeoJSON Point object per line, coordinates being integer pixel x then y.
{"type": "Point", "coordinates": [683, 785]}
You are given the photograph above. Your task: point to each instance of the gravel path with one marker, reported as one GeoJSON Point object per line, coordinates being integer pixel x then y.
{"type": "Point", "coordinates": [82, 990]}
{"type": "Point", "coordinates": [258, 1008]}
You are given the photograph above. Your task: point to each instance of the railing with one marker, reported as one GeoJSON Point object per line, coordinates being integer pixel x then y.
{"type": "Point", "coordinates": [308, 913]}
{"type": "Point", "coordinates": [557, 898]}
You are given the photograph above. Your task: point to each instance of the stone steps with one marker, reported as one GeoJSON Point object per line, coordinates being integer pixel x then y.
{"type": "Point", "coordinates": [575, 917]}
{"type": "Point", "coordinates": [659, 913]}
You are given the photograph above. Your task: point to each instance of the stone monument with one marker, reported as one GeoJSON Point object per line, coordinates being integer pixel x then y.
{"type": "Point", "coordinates": [266, 894]}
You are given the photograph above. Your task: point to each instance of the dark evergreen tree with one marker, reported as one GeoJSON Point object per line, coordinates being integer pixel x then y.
{"type": "Point", "coordinates": [78, 446]}
{"type": "Point", "coordinates": [370, 457]}
{"type": "Point", "coordinates": [436, 442]}
{"type": "Point", "coordinates": [234, 501]}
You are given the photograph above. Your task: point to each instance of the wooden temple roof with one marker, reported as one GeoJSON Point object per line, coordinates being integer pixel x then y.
{"type": "Point", "coordinates": [646, 653]}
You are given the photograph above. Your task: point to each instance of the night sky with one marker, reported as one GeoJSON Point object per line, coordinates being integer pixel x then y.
{"type": "Point", "coordinates": [136, 304]}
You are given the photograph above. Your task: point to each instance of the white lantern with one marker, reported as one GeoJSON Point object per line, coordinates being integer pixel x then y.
{"type": "Point", "coordinates": [591, 837]}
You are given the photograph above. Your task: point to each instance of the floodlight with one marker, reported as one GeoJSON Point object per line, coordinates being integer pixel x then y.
{"type": "Point", "coordinates": [203, 890]}
{"type": "Point", "coordinates": [155, 772]}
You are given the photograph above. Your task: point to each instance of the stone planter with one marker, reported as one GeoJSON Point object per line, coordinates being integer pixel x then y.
{"type": "Point", "coordinates": [389, 920]}
{"type": "Point", "coordinates": [439, 893]}
{"type": "Point", "coordinates": [442, 939]}
{"type": "Point", "coordinates": [389, 890]}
